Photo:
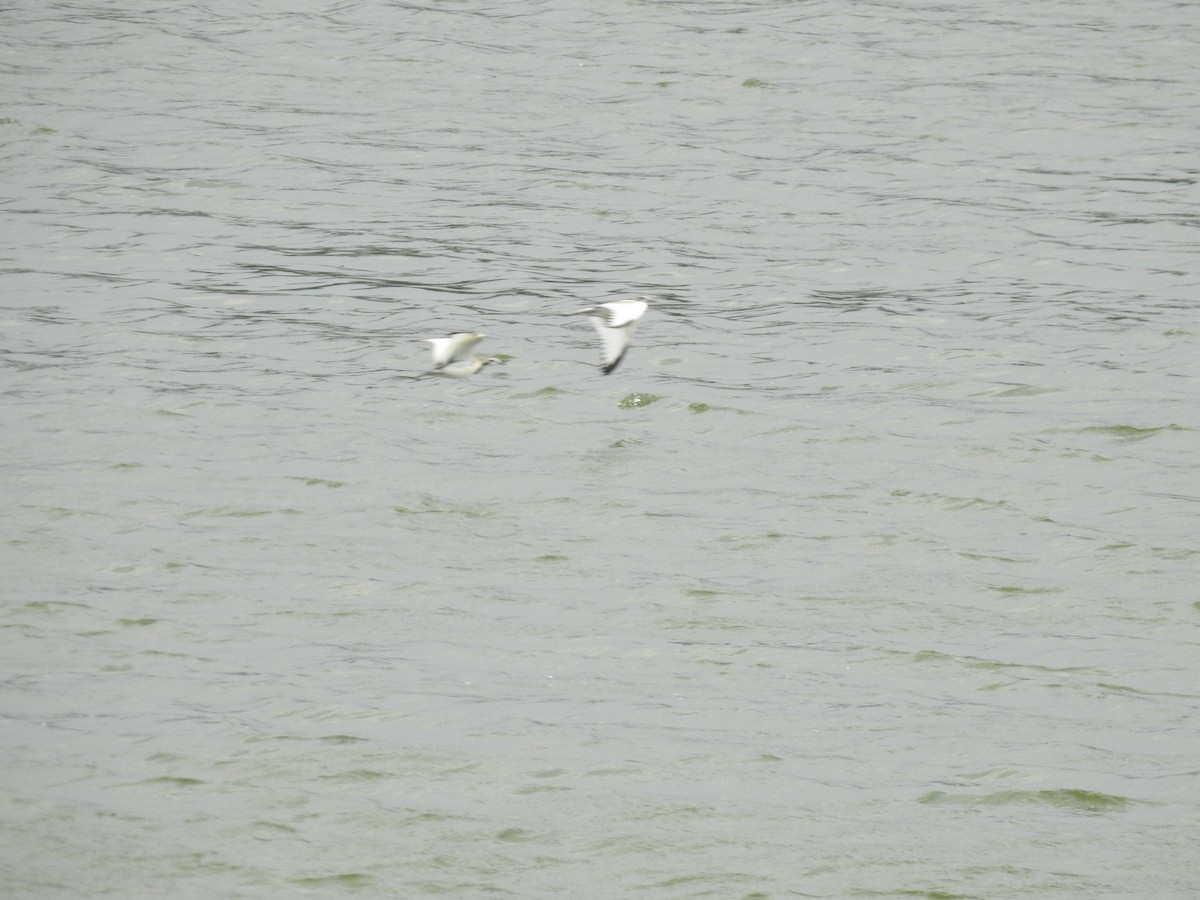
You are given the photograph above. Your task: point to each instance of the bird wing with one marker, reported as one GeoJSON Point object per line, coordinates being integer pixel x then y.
{"type": "Point", "coordinates": [462, 343]}
{"type": "Point", "coordinates": [440, 349]}
{"type": "Point", "coordinates": [615, 342]}
{"type": "Point", "coordinates": [451, 349]}
{"type": "Point", "coordinates": [623, 312]}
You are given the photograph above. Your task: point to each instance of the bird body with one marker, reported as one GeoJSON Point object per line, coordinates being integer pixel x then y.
{"type": "Point", "coordinates": [615, 323]}
{"type": "Point", "coordinates": [466, 369]}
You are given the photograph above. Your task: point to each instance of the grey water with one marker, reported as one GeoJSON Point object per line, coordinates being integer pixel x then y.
{"type": "Point", "coordinates": [871, 571]}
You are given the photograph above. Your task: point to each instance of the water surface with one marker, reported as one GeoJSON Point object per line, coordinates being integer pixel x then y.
{"type": "Point", "coordinates": [870, 572]}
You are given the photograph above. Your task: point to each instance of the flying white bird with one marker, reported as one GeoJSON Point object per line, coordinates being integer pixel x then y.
{"type": "Point", "coordinates": [451, 349]}
{"type": "Point", "coordinates": [466, 369]}
{"type": "Point", "coordinates": [615, 323]}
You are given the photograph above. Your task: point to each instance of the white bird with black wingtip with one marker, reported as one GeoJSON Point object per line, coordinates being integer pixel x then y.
{"type": "Point", "coordinates": [615, 323]}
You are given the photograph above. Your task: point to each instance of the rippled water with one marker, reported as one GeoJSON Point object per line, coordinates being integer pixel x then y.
{"type": "Point", "coordinates": [871, 572]}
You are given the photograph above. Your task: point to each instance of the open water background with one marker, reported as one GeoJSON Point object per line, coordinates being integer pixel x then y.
{"type": "Point", "coordinates": [892, 591]}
